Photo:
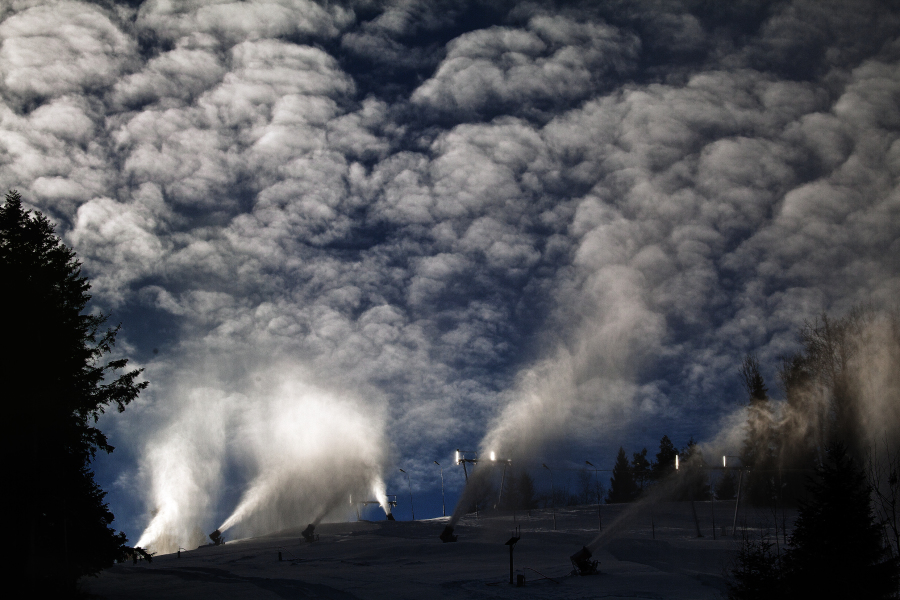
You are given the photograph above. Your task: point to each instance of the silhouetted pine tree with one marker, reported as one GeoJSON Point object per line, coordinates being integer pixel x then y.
{"type": "Point", "coordinates": [665, 459]}
{"type": "Point", "coordinates": [527, 498]}
{"type": "Point", "coordinates": [758, 452]}
{"type": "Point", "coordinates": [799, 433]}
{"type": "Point", "coordinates": [693, 478]}
{"type": "Point", "coordinates": [56, 387]}
{"type": "Point", "coordinates": [621, 486]}
{"type": "Point", "coordinates": [757, 573]}
{"type": "Point", "coordinates": [725, 487]}
{"type": "Point", "coordinates": [836, 548]}
{"type": "Point", "coordinates": [518, 492]}
{"type": "Point", "coordinates": [640, 468]}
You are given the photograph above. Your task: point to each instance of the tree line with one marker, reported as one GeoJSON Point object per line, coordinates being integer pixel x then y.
{"type": "Point", "coordinates": [631, 479]}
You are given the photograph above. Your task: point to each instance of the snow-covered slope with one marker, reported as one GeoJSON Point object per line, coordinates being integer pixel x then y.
{"type": "Point", "coordinates": [395, 560]}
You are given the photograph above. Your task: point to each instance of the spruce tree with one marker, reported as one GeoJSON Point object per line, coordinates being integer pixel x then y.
{"type": "Point", "coordinates": [836, 548]}
{"type": "Point", "coordinates": [725, 487]}
{"type": "Point", "coordinates": [758, 452]}
{"type": "Point", "coordinates": [527, 499]}
{"type": "Point", "coordinates": [693, 478]}
{"type": "Point", "coordinates": [640, 468]}
{"type": "Point", "coordinates": [54, 361]}
{"type": "Point", "coordinates": [510, 492]}
{"type": "Point", "coordinates": [621, 486]}
{"type": "Point", "coordinates": [756, 573]}
{"type": "Point", "coordinates": [665, 459]}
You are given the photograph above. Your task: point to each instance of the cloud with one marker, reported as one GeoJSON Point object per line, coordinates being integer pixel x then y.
{"type": "Point", "coordinates": [61, 48]}
{"type": "Point", "coordinates": [178, 76]}
{"type": "Point", "coordinates": [233, 22]}
{"type": "Point", "coordinates": [553, 63]}
{"type": "Point", "coordinates": [575, 218]}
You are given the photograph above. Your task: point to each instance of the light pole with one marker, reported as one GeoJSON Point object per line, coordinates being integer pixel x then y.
{"type": "Point", "coordinates": [552, 495]}
{"type": "Point", "coordinates": [409, 485]}
{"type": "Point", "coordinates": [597, 482]}
{"type": "Point", "coordinates": [737, 501]}
{"type": "Point", "coordinates": [443, 506]}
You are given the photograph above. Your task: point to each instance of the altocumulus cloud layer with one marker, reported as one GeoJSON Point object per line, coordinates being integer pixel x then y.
{"type": "Point", "coordinates": [345, 236]}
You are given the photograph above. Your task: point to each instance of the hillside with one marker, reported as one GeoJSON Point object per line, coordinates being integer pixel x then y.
{"type": "Point", "coordinates": [395, 560]}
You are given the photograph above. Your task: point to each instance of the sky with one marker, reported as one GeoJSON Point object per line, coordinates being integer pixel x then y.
{"type": "Point", "coordinates": [345, 238]}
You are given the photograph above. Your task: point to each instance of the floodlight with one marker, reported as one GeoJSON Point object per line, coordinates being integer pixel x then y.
{"type": "Point", "coordinates": [676, 462]}
{"type": "Point", "coordinates": [724, 464]}
{"type": "Point", "coordinates": [493, 456]}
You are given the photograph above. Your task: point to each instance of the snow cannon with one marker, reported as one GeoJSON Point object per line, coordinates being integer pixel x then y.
{"type": "Point", "coordinates": [447, 535]}
{"type": "Point", "coordinates": [216, 537]}
{"type": "Point", "coordinates": [582, 563]}
{"type": "Point", "coordinates": [309, 533]}
{"type": "Point", "coordinates": [390, 517]}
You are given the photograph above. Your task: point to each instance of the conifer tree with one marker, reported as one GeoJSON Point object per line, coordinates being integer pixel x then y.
{"type": "Point", "coordinates": [758, 451]}
{"type": "Point", "coordinates": [518, 492]}
{"type": "Point", "coordinates": [665, 459]}
{"type": "Point", "coordinates": [56, 365]}
{"type": "Point", "coordinates": [725, 488]}
{"type": "Point", "coordinates": [756, 573]}
{"type": "Point", "coordinates": [621, 486]}
{"type": "Point", "coordinates": [640, 468]}
{"type": "Point", "coordinates": [835, 551]}
{"type": "Point", "coordinates": [693, 478]}
{"type": "Point", "coordinates": [527, 497]}
{"type": "Point", "coordinates": [836, 548]}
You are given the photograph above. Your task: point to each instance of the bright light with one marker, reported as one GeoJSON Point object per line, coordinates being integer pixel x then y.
{"type": "Point", "coordinates": [457, 457]}
{"type": "Point", "coordinates": [723, 461]}
{"type": "Point", "coordinates": [676, 462]}
{"type": "Point", "coordinates": [493, 456]}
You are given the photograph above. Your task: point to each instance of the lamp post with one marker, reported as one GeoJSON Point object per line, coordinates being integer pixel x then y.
{"type": "Point", "coordinates": [597, 482]}
{"type": "Point", "coordinates": [409, 485]}
{"type": "Point", "coordinates": [737, 501]}
{"type": "Point", "coordinates": [552, 495]}
{"type": "Point", "coordinates": [443, 505]}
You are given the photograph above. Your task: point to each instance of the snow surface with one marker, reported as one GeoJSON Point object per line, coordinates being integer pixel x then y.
{"type": "Point", "coordinates": [394, 560]}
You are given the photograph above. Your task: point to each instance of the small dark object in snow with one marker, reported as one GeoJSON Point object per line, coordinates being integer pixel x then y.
{"type": "Point", "coordinates": [135, 554]}
{"type": "Point", "coordinates": [447, 535]}
{"type": "Point", "coordinates": [390, 517]}
{"type": "Point", "coordinates": [216, 537]}
{"type": "Point", "coordinates": [582, 562]}
{"type": "Point", "coordinates": [309, 533]}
